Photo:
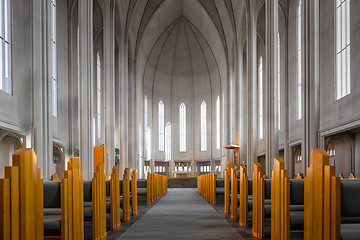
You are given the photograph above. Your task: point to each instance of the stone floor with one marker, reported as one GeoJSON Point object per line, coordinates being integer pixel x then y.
{"type": "Point", "coordinates": [181, 214]}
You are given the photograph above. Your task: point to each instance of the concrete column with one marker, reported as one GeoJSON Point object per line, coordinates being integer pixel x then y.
{"type": "Point", "coordinates": [252, 133]}
{"type": "Point", "coordinates": [86, 86]}
{"type": "Point", "coordinates": [270, 86]}
{"type": "Point", "coordinates": [109, 73]}
{"type": "Point", "coordinates": [311, 96]}
{"type": "Point", "coordinates": [124, 107]}
{"type": "Point", "coordinates": [41, 89]}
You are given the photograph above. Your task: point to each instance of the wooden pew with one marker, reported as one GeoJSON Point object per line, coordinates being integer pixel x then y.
{"type": "Point", "coordinates": [134, 193]}
{"type": "Point", "coordinates": [126, 195]}
{"type": "Point", "coordinates": [21, 198]}
{"type": "Point", "coordinates": [258, 202]}
{"type": "Point", "coordinates": [72, 199]}
{"type": "Point", "coordinates": [244, 194]}
{"type": "Point", "coordinates": [299, 175]}
{"type": "Point", "coordinates": [149, 189]}
{"type": "Point", "coordinates": [227, 191]}
{"type": "Point", "coordinates": [322, 198]}
{"type": "Point", "coordinates": [280, 201]}
{"type": "Point", "coordinates": [99, 203]}
{"type": "Point", "coordinates": [54, 177]}
{"type": "Point", "coordinates": [234, 193]}
{"type": "Point", "coordinates": [115, 198]}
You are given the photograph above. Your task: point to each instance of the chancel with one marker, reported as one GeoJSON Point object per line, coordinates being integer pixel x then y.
{"type": "Point", "coordinates": [179, 119]}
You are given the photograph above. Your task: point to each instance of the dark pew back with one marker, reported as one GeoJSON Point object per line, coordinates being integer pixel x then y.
{"type": "Point", "coordinates": [350, 197]}
{"type": "Point", "coordinates": [52, 194]}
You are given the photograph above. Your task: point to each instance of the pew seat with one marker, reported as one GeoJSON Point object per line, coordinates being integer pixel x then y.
{"type": "Point", "coordinates": [52, 225]}
{"type": "Point", "coordinates": [52, 208]}
{"type": "Point", "coordinates": [296, 220]}
{"type": "Point", "coordinates": [350, 231]}
{"type": "Point", "coordinates": [220, 186]}
{"type": "Point", "coordinates": [350, 209]}
{"type": "Point", "coordinates": [220, 191]}
{"type": "Point", "coordinates": [141, 187]}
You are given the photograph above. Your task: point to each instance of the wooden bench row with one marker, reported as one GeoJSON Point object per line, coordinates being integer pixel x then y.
{"type": "Point", "coordinates": [321, 205]}
{"type": "Point", "coordinates": [156, 186]}
{"type": "Point", "coordinates": [31, 208]}
{"type": "Point", "coordinates": [206, 186]}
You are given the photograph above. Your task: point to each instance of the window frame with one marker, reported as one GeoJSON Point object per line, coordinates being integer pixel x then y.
{"type": "Point", "coordinates": [182, 127]}
{"type": "Point", "coordinates": [203, 127]}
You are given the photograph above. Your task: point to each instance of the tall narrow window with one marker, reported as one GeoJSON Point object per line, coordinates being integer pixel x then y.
{"type": "Point", "coordinates": [278, 84]}
{"type": "Point", "coordinates": [168, 141]}
{"type": "Point", "coordinates": [182, 116]}
{"type": "Point", "coordinates": [218, 122]}
{"type": "Point", "coordinates": [98, 94]}
{"type": "Point", "coordinates": [203, 126]}
{"type": "Point", "coordinates": [54, 59]}
{"type": "Point", "coordinates": [161, 126]}
{"type": "Point", "coordinates": [342, 49]}
{"type": "Point", "coordinates": [260, 99]}
{"type": "Point", "coordinates": [299, 60]}
{"type": "Point", "coordinates": [148, 143]}
{"type": "Point", "coordinates": [5, 46]}
{"type": "Point", "coordinates": [146, 123]}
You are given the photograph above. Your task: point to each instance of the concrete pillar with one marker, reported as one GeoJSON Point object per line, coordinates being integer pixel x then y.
{"type": "Point", "coordinates": [270, 86]}
{"type": "Point", "coordinates": [252, 133]}
{"type": "Point", "coordinates": [41, 129]}
{"type": "Point", "coordinates": [311, 94]}
{"type": "Point", "coordinates": [109, 73]}
{"type": "Point", "coordinates": [124, 106]}
{"type": "Point", "coordinates": [86, 86]}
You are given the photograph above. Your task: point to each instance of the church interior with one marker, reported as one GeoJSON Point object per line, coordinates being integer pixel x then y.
{"type": "Point", "coordinates": [181, 119]}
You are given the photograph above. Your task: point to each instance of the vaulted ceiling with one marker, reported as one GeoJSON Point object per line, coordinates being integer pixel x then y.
{"type": "Point", "coordinates": [217, 22]}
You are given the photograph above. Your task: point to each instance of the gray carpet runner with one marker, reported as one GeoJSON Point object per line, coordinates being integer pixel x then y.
{"type": "Point", "coordinates": [181, 214]}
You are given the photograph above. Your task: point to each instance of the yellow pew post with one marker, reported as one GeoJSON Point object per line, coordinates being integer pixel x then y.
{"type": "Point", "coordinates": [214, 188]}
{"type": "Point", "coordinates": [280, 201]}
{"type": "Point", "coordinates": [115, 198]}
{"type": "Point", "coordinates": [322, 214]}
{"type": "Point", "coordinates": [21, 198]}
{"type": "Point", "coordinates": [72, 207]}
{"type": "Point", "coordinates": [243, 210]}
{"type": "Point", "coordinates": [99, 203]}
{"type": "Point", "coordinates": [148, 189]}
{"type": "Point", "coordinates": [226, 191]}
{"type": "Point", "coordinates": [126, 195]}
{"type": "Point", "coordinates": [134, 193]}
{"type": "Point", "coordinates": [258, 202]}
{"type": "Point", "coordinates": [234, 193]}
{"type": "Point", "coordinates": [12, 174]}
{"type": "Point", "coordinates": [5, 225]}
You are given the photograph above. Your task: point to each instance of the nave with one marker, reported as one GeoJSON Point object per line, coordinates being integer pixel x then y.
{"type": "Point", "coordinates": [181, 214]}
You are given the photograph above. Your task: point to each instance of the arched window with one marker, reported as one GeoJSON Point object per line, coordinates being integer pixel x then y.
{"type": "Point", "coordinates": [182, 120]}
{"type": "Point", "coordinates": [299, 59]}
{"type": "Point", "coordinates": [53, 59]}
{"type": "Point", "coordinates": [5, 46]}
{"type": "Point", "coordinates": [161, 126]}
{"type": "Point", "coordinates": [148, 143]}
{"type": "Point", "coordinates": [168, 141]}
{"type": "Point", "coordinates": [218, 122]}
{"type": "Point", "coordinates": [146, 123]}
{"type": "Point", "coordinates": [278, 84]}
{"type": "Point", "coordinates": [260, 99]}
{"type": "Point", "coordinates": [342, 49]}
{"type": "Point", "coordinates": [203, 126]}
{"type": "Point", "coordinates": [98, 94]}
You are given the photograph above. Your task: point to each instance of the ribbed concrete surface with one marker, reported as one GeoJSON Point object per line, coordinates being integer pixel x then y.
{"type": "Point", "coordinates": [181, 214]}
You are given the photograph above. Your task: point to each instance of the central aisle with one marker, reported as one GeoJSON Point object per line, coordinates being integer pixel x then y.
{"type": "Point", "coordinates": [181, 214]}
